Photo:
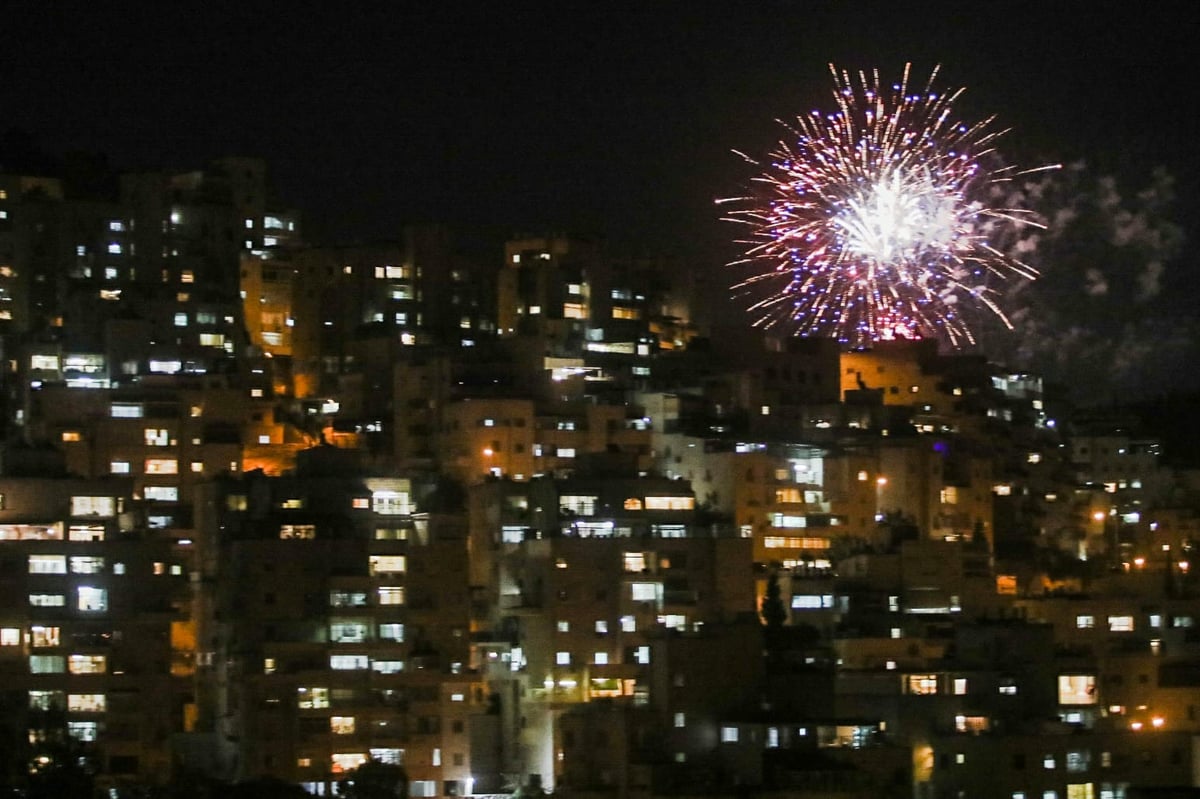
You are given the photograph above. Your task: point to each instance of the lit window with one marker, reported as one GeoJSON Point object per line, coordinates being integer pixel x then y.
{"type": "Point", "coordinates": [1077, 689]}
{"type": "Point", "coordinates": [161, 466]}
{"type": "Point", "coordinates": [47, 664]}
{"type": "Point", "coordinates": [391, 503]}
{"type": "Point", "coordinates": [922, 684]}
{"type": "Point", "coordinates": [10, 636]}
{"type": "Point", "coordinates": [87, 664]}
{"type": "Point", "coordinates": [645, 592]}
{"type": "Point", "coordinates": [348, 662]}
{"type": "Point", "coordinates": [391, 595]}
{"type": "Point", "coordinates": [341, 725]}
{"type": "Point", "coordinates": [387, 564]}
{"type": "Point", "coordinates": [341, 762]}
{"type": "Point", "coordinates": [600, 658]}
{"type": "Point", "coordinates": [635, 562]}
{"type": "Point", "coordinates": [680, 720]}
{"type": "Point", "coordinates": [156, 437]}
{"type": "Point", "coordinates": [46, 700]}
{"type": "Point", "coordinates": [92, 599]}
{"type": "Point", "coordinates": [83, 731]}
{"type": "Point", "coordinates": [793, 541]}
{"type": "Point", "coordinates": [579, 505]}
{"type": "Point", "coordinates": [391, 631]}
{"type": "Point", "coordinates": [161, 493]}
{"type": "Point", "coordinates": [86, 564]}
{"type": "Point", "coordinates": [1085, 622]}
{"type": "Point", "coordinates": [729, 735]}
{"type": "Point", "coordinates": [93, 506]}
{"type": "Point", "coordinates": [1120, 624]}
{"type": "Point", "coordinates": [562, 658]}
{"type": "Point", "coordinates": [87, 703]}
{"type": "Point", "coordinates": [787, 496]}
{"type": "Point", "coordinates": [45, 362]}
{"type": "Point", "coordinates": [312, 698]}
{"type": "Point", "coordinates": [347, 599]}
{"type": "Point", "coordinates": [47, 564]}
{"type": "Point", "coordinates": [670, 503]}
{"type": "Point", "coordinates": [119, 467]}
{"type": "Point", "coordinates": [348, 632]}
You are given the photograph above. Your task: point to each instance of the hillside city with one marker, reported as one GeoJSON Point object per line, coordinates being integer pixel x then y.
{"type": "Point", "coordinates": [515, 521]}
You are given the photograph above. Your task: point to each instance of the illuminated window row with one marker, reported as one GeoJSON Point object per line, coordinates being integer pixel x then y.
{"type": "Point", "coordinates": [795, 542]}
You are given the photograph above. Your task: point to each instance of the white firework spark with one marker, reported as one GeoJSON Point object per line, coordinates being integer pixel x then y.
{"type": "Point", "coordinates": [873, 221]}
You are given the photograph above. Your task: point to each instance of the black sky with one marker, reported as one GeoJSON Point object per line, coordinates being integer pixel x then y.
{"type": "Point", "coordinates": [610, 118]}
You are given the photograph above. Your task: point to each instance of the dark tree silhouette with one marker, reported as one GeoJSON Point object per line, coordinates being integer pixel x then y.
{"type": "Point", "coordinates": [774, 614]}
{"type": "Point", "coordinates": [375, 780]}
{"type": "Point", "coordinates": [265, 788]}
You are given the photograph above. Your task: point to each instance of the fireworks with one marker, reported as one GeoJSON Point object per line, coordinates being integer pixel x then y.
{"type": "Point", "coordinates": [874, 221]}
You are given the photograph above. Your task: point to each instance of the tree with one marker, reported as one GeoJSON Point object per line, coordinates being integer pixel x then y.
{"type": "Point", "coordinates": [375, 780]}
{"type": "Point", "coordinates": [774, 614]}
{"type": "Point", "coordinates": [266, 788]}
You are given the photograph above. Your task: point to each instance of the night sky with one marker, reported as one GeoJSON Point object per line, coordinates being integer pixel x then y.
{"type": "Point", "coordinates": [615, 119]}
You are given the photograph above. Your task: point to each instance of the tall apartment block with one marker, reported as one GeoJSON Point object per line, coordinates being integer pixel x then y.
{"type": "Point", "coordinates": [334, 627]}
{"type": "Point", "coordinates": [96, 635]}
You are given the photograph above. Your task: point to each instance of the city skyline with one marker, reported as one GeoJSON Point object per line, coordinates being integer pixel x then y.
{"type": "Point", "coordinates": [273, 510]}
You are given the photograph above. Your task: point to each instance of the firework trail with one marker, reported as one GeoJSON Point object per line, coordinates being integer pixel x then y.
{"type": "Point", "coordinates": [875, 221]}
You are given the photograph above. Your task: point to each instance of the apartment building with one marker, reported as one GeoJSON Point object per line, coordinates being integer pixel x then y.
{"type": "Point", "coordinates": [337, 628]}
{"type": "Point", "coordinates": [96, 635]}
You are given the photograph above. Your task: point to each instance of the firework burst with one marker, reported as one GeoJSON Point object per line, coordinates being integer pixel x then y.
{"type": "Point", "coordinates": [875, 220]}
